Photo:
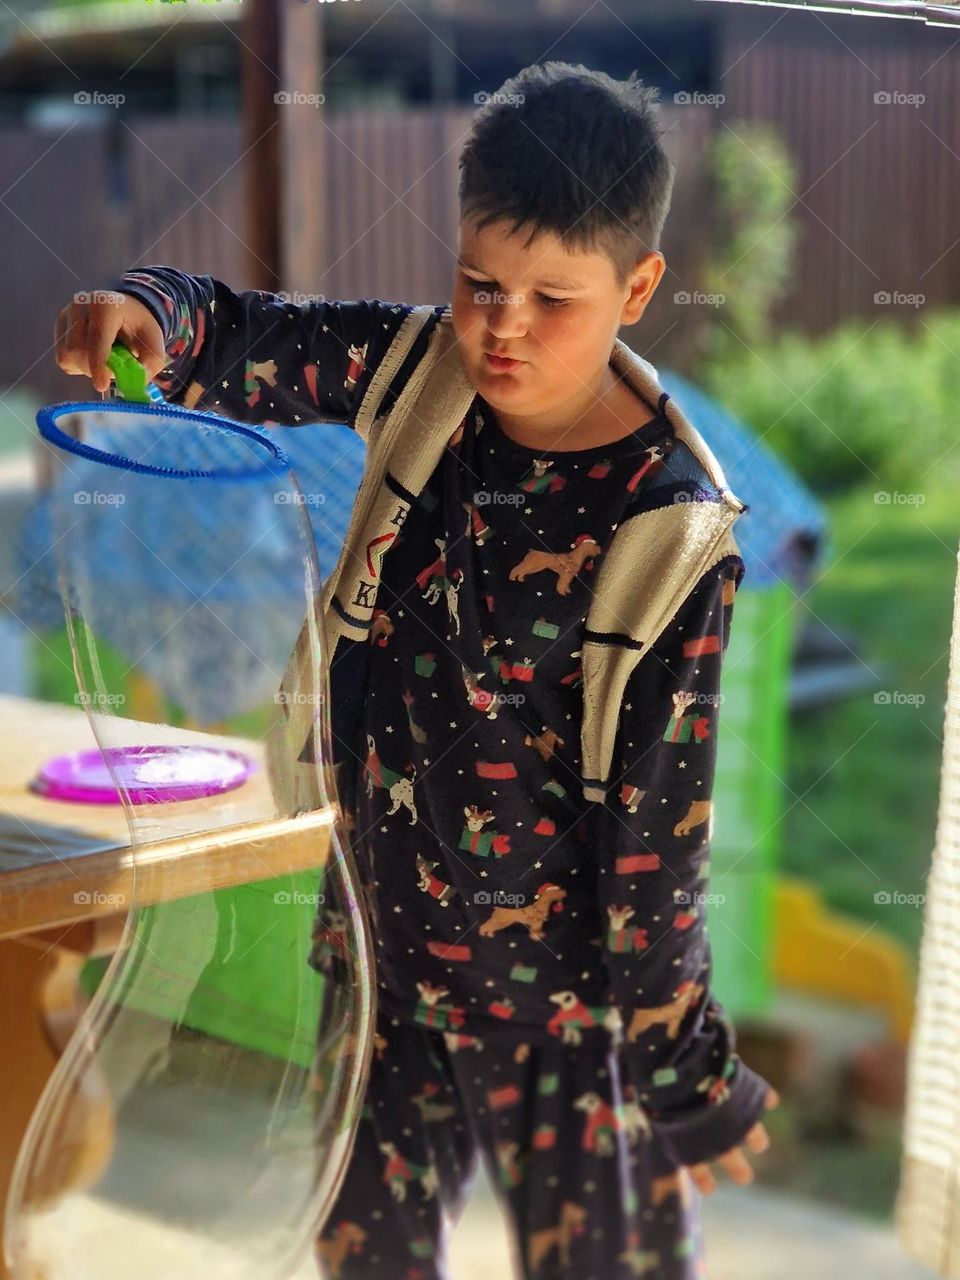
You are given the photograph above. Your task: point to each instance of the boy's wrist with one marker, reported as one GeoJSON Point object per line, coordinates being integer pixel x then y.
{"type": "Point", "coordinates": [708, 1129]}
{"type": "Point", "coordinates": [159, 304]}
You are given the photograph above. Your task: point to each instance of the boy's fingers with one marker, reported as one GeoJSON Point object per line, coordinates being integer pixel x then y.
{"type": "Point", "coordinates": [68, 337]}
{"type": "Point", "coordinates": [737, 1166]}
{"type": "Point", "coordinates": [60, 334]}
{"type": "Point", "coordinates": [84, 332]}
{"type": "Point", "coordinates": [702, 1175]}
{"type": "Point", "coordinates": [773, 1098]}
{"type": "Point", "coordinates": [758, 1139]}
{"type": "Point", "coordinates": [146, 342]}
{"type": "Point", "coordinates": [102, 333]}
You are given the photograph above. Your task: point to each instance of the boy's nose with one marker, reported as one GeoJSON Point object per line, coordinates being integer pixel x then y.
{"type": "Point", "coordinates": [503, 325]}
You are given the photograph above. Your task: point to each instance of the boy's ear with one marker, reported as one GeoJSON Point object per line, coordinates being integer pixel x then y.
{"type": "Point", "coordinates": [646, 275]}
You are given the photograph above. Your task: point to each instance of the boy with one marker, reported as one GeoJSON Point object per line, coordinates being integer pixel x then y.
{"type": "Point", "coordinates": [543, 967]}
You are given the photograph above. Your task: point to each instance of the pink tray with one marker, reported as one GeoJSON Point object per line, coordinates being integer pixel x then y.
{"type": "Point", "coordinates": [149, 774]}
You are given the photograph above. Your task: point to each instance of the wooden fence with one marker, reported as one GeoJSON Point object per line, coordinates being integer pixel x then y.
{"type": "Point", "coordinates": [879, 192]}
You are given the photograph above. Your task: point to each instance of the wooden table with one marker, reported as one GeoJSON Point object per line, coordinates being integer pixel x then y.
{"type": "Point", "coordinates": [66, 884]}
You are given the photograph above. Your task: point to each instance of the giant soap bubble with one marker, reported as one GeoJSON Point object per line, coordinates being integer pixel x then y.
{"type": "Point", "coordinates": [231, 1031]}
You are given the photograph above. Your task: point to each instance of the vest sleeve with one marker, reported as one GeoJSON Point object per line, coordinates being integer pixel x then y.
{"type": "Point", "coordinates": [259, 358]}
{"type": "Point", "coordinates": [679, 1045]}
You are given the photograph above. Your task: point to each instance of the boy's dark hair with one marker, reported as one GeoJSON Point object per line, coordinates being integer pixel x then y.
{"type": "Point", "coordinates": [575, 152]}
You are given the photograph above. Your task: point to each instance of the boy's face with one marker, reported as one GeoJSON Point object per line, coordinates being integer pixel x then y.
{"type": "Point", "coordinates": [556, 311]}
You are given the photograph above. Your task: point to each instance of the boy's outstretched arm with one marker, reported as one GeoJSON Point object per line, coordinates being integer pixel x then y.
{"type": "Point", "coordinates": [258, 358]}
{"type": "Point", "coordinates": [679, 1047]}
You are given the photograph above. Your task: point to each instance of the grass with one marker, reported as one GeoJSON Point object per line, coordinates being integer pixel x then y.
{"type": "Point", "coordinates": [869, 773]}
{"type": "Point", "coordinates": [854, 1172]}
{"type": "Point", "coordinates": [869, 777]}
{"type": "Point", "coordinates": [18, 426]}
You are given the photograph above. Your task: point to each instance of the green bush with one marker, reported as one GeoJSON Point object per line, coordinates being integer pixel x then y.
{"type": "Point", "coordinates": [868, 403]}
{"type": "Point", "coordinates": [754, 232]}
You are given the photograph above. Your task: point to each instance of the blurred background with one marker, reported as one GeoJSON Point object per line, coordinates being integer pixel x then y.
{"type": "Point", "coordinates": [808, 321]}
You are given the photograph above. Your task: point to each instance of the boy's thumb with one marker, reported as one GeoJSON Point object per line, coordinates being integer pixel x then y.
{"type": "Point", "coordinates": [148, 348]}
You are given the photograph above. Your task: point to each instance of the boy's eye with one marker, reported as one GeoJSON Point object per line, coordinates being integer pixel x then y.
{"type": "Point", "coordinates": [490, 286]}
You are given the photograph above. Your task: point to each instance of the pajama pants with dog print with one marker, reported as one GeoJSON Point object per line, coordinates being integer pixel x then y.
{"type": "Point", "coordinates": [586, 1191]}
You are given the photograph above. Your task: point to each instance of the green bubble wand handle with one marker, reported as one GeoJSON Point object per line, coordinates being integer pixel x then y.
{"type": "Point", "coordinates": [130, 378]}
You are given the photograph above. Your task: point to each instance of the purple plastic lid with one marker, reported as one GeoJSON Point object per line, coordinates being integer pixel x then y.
{"type": "Point", "coordinates": [149, 774]}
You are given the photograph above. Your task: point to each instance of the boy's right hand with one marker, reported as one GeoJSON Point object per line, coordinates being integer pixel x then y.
{"type": "Point", "coordinates": [87, 328]}
{"type": "Point", "coordinates": [734, 1162]}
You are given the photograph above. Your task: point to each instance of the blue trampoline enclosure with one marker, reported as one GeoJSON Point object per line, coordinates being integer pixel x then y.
{"type": "Point", "coordinates": [783, 533]}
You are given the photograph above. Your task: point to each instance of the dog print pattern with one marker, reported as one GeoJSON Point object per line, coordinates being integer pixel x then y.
{"type": "Point", "coordinates": [580, 1180]}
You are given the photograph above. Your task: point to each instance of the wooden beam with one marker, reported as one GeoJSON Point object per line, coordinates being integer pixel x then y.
{"type": "Point", "coordinates": [259, 82]}
{"type": "Point", "coordinates": [303, 237]}
{"type": "Point", "coordinates": [282, 108]}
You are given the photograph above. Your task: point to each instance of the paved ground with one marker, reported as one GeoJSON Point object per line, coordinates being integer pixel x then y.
{"type": "Point", "coordinates": [751, 1234]}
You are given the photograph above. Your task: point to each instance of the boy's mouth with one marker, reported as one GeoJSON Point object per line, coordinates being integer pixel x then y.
{"type": "Point", "coordinates": [501, 364]}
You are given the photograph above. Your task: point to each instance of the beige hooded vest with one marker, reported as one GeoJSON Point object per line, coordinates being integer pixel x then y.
{"type": "Point", "coordinates": [652, 563]}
